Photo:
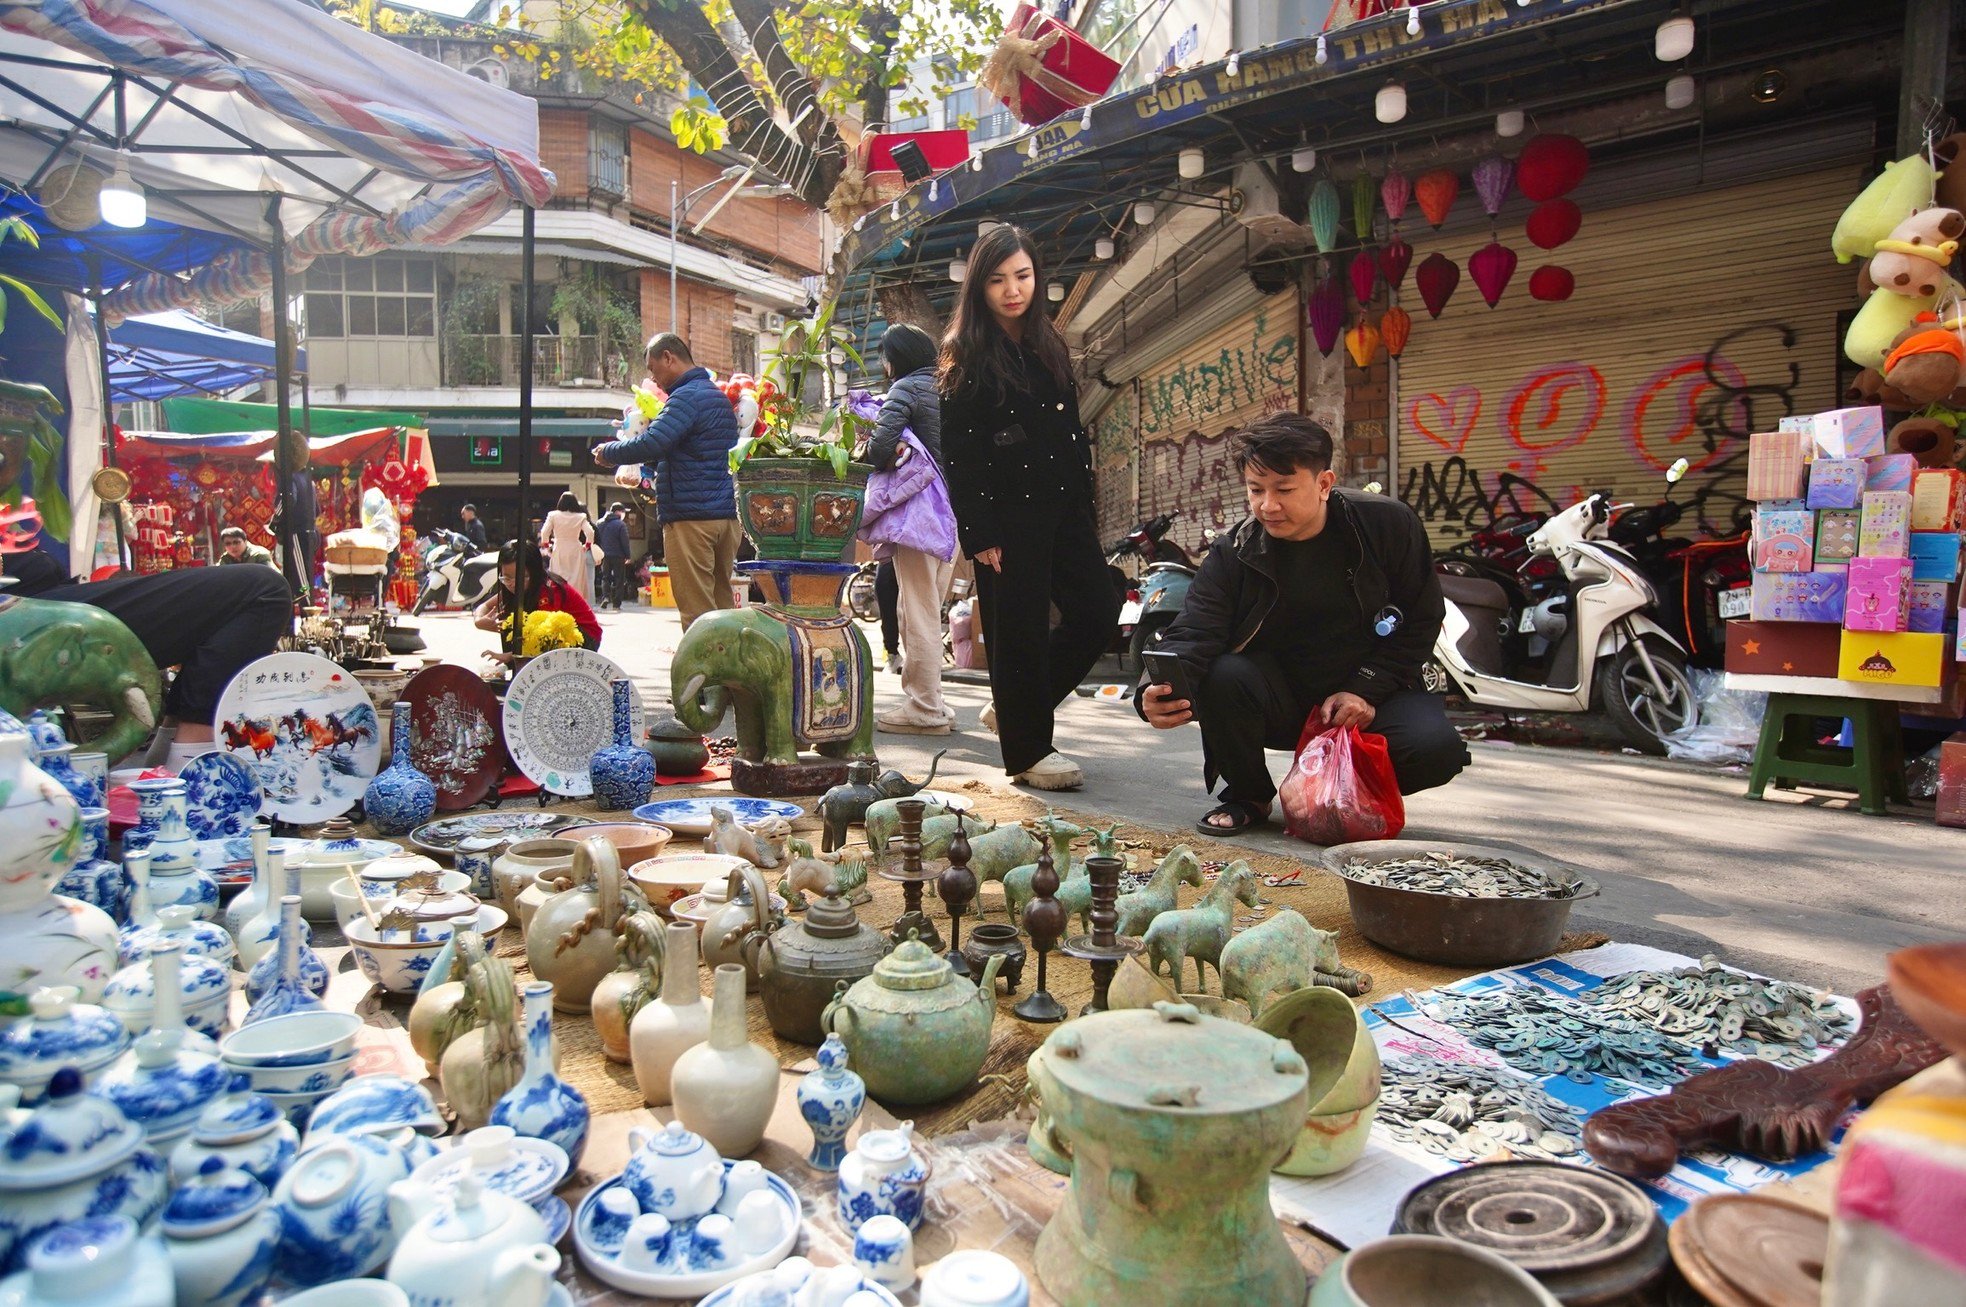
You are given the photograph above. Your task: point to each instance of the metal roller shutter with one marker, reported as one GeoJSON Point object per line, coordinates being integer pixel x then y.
{"type": "Point", "coordinates": [1696, 320]}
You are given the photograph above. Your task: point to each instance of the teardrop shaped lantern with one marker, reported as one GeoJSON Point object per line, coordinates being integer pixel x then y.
{"type": "Point", "coordinates": [1326, 310]}
{"type": "Point", "coordinates": [1436, 191]}
{"type": "Point", "coordinates": [1437, 276]}
{"type": "Point", "coordinates": [1394, 256]}
{"type": "Point", "coordinates": [1362, 193]}
{"type": "Point", "coordinates": [1365, 273]}
{"type": "Point", "coordinates": [1324, 215]}
{"type": "Point", "coordinates": [1394, 328]}
{"type": "Point", "coordinates": [1491, 266]}
{"type": "Point", "coordinates": [1362, 343]}
{"type": "Point", "coordinates": [1491, 179]}
{"type": "Point", "coordinates": [1394, 192]}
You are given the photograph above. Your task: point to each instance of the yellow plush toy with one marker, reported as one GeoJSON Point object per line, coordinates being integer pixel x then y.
{"type": "Point", "coordinates": [1913, 259]}
{"type": "Point", "coordinates": [1884, 316]}
{"type": "Point", "coordinates": [1896, 192]}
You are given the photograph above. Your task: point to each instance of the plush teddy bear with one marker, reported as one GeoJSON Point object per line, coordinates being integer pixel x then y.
{"type": "Point", "coordinates": [1912, 260]}
{"type": "Point", "coordinates": [1926, 361]}
{"type": "Point", "coordinates": [1930, 440]}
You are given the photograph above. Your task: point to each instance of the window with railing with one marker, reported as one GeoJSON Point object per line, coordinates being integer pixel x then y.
{"type": "Point", "coordinates": [744, 351]}
{"type": "Point", "coordinates": [607, 157]}
{"type": "Point", "coordinates": [387, 295]}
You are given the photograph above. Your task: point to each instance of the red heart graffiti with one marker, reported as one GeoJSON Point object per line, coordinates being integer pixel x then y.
{"type": "Point", "coordinates": [1672, 408]}
{"type": "Point", "coordinates": [1447, 416]}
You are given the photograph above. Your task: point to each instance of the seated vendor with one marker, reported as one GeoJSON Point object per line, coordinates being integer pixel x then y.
{"type": "Point", "coordinates": [235, 548]}
{"type": "Point", "coordinates": [546, 592]}
{"type": "Point", "coordinates": [208, 622]}
{"type": "Point", "coordinates": [1321, 605]}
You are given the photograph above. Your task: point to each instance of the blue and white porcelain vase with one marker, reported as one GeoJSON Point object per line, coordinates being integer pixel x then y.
{"type": "Point", "coordinates": [165, 1086]}
{"type": "Point", "coordinates": [56, 763]}
{"type": "Point", "coordinates": [169, 991]}
{"type": "Point", "coordinates": [257, 897]}
{"type": "Point", "coordinates": [221, 1232]}
{"type": "Point", "coordinates": [623, 773]}
{"type": "Point", "coordinates": [150, 792]}
{"type": "Point", "coordinates": [400, 798]}
{"type": "Point", "coordinates": [541, 1105]}
{"type": "Point", "coordinates": [830, 1100]}
{"type": "Point", "coordinates": [94, 879]}
{"type": "Point", "coordinates": [75, 1156]}
{"type": "Point", "coordinates": [175, 876]}
{"type": "Point", "coordinates": [288, 991]}
{"type": "Point", "coordinates": [260, 976]}
{"type": "Point", "coordinates": [91, 1263]}
{"type": "Point", "coordinates": [58, 1032]}
{"type": "Point", "coordinates": [883, 1176]}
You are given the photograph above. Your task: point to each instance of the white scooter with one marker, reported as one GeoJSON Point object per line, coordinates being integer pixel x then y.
{"type": "Point", "coordinates": [456, 573]}
{"type": "Point", "coordinates": [1604, 648]}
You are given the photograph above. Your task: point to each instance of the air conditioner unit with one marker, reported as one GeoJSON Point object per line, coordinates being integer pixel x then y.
{"type": "Point", "coordinates": [488, 70]}
{"type": "Point", "coordinates": [1254, 203]}
{"type": "Point", "coordinates": [774, 322]}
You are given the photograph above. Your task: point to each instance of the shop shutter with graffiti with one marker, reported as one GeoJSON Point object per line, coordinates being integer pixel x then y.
{"type": "Point", "coordinates": [1696, 321]}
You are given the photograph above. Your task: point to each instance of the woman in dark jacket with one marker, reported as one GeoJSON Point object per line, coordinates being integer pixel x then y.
{"type": "Point", "coordinates": [1019, 465]}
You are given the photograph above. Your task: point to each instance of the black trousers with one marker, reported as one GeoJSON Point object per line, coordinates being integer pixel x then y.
{"type": "Point", "coordinates": [1047, 560]}
{"type": "Point", "coordinates": [208, 622]}
{"type": "Point", "coordinates": [887, 594]}
{"type": "Point", "coordinates": [616, 588]}
{"type": "Point", "coordinates": [1249, 703]}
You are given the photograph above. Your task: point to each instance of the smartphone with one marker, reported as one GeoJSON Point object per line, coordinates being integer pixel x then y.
{"type": "Point", "coordinates": [1166, 668]}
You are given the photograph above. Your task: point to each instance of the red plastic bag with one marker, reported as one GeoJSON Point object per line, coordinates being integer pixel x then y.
{"type": "Point", "coordinates": [1341, 788]}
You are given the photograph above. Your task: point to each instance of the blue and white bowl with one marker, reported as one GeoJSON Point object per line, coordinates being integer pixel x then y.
{"type": "Point", "coordinates": [334, 1210]}
{"type": "Point", "coordinates": [295, 1109]}
{"type": "Point", "coordinates": [297, 1040]}
{"type": "Point", "coordinates": [317, 1077]}
{"type": "Point", "coordinates": [376, 1104]}
{"type": "Point", "coordinates": [397, 960]}
{"type": "Point", "coordinates": [58, 1032]}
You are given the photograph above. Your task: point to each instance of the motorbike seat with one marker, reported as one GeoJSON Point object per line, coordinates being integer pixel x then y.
{"type": "Point", "coordinates": [1473, 592]}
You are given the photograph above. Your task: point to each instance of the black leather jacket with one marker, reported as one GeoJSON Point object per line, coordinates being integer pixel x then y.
{"type": "Point", "coordinates": [1013, 462]}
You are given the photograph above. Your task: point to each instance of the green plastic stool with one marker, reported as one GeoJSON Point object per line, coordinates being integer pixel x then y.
{"type": "Point", "coordinates": [1788, 752]}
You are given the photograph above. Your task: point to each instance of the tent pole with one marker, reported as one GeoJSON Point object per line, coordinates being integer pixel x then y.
{"type": "Point", "coordinates": [283, 352]}
{"type": "Point", "coordinates": [108, 418]}
{"type": "Point", "coordinates": [528, 560]}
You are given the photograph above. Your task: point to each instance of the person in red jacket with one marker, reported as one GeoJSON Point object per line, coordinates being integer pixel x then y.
{"type": "Point", "coordinates": [545, 592]}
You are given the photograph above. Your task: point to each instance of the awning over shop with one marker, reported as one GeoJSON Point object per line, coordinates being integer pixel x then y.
{"type": "Point", "coordinates": [161, 355]}
{"type": "Point", "coordinates": [200, 416]}
{"type": "Point", "coordinates": [244, 446]}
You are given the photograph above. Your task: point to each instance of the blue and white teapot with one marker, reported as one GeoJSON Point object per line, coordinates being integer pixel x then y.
{"type": "Point", "coordinates": [76, 1155]}
{"type": "Point", "coordinates": [672, 1172]}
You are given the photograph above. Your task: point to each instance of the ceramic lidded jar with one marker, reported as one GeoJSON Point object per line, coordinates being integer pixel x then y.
{"type": "Point", "coordinates": [93, 879]}
{"type": "Point", "coordinates": [58, 1032]}
{"type": "Point", "coordinates": [677, 750]}
{"type": "Point", "coordinates": [802, 963]}
{"type": "Point", "coordinates": [75, 1156]}
{"type": "Point", "coordinates": [663, 1030]}
{"type": "Point", "coordinates": [726, 1087]}
{"type": "Point", "coordinates": [622, 774]}
{"type": "Point", "coordinates": [475, 856]}
{"type": "Point", "coordinates": [1173, 1120]}
{"type": "Point", "coordinates": [220, 1232]}
{"type": "Point", "coordinates": [96, 1261]}
{"type": "Point", "coordinates": [400, 798]}
{"type": "Point", "coordinates": [882, 1176]}
{"type": "Point", "coordinates": [830, 1100]}
{"type": "Point", "coordinates": [241, 1130]}
{"type": "Point", "coordinates": [916, 1031]}
{"type": "Point", "coordinates": [171, 991]}
{"type": "Point", "coordinates": [570, 940]}
{"type": "Point", "coordinates": [179, 924]}
{"type": "Point", "coordinates": [516, 868]}
{"type": "Point", "coordinates": [166, 1086]}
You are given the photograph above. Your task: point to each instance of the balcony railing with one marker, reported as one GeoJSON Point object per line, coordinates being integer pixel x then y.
{"type": "Point", "coordinates": [556, 361]}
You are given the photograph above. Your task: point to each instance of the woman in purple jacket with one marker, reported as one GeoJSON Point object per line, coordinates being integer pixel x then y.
{"type": "Point", "coordinates": [909, 522]}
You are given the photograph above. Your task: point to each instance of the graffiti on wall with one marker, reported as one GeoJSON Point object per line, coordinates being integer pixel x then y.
{"type": "Point", "coordinates": [1700, 407]}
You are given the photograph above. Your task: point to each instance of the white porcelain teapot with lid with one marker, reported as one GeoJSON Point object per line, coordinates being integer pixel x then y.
{"type": "Point", "coordinates": [476, 1248]}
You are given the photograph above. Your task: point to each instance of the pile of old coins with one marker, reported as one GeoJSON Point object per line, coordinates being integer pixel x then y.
{"type": "Point", "coordinates": [1715, 1009]}
{"type": "Point", "coordinates": [1546, 1034]}
{"type": "Point", "coordinates": [1467, 1113]}
{"type": "Point", "coordinates": [1461, 877]}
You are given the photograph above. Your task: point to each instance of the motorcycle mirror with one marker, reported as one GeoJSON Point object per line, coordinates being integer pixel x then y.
{"type": "Point", "coordinates": [1676, 471]}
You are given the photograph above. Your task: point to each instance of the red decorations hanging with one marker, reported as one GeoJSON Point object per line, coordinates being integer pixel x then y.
{"type": "Point", "coordinates": [1394, 328]}
{"type": "Point", "coordinates": [1491, 266]}
{"type": "Point", "coordinates": [1394, 255]}
{"type": "Point", "coordinates": [1551, 284]}
{"type": "Point", "coordinates": [1436, 277]}
{"type": "Point", "coordinates": [1365, 274]}
{"type": "Point", "coordinates": [1551, 166]}
{"type": "Point", "coordinates": [1327, 313]}
{"type": "Point", "coordinates": [1436, 192]}
{"type": "Point", "coordinates": [1394, 192]}
{"type": "Point", "coordinates": [1553, 223]}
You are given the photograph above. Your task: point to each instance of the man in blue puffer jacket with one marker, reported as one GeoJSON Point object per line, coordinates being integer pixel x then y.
{"type": "Point", "coordinates": [690, 442]}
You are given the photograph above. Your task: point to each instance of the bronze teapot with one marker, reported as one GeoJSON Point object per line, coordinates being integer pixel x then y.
{"type": "Point", "coordinates": [736, 931]}
{"type": "Point", "coordinates": [800, 965]}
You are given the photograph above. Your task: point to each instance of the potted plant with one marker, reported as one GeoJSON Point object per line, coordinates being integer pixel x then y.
{"type": "Point", "coordinates": [799, 492]}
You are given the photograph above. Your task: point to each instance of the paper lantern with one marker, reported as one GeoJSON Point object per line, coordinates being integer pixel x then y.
{"type": "Point", "coordinates": [1437, 277]}
{"type": "Point", "coordinates": [1362, 342]}
{"type": "Point", "coordinates": [1394, 192]}
{"type": "Point", "coordinates": [1553, 223]}
{"type": "Point", "coordinates": [1551, 284]}
{"type": "Point", "coordinates": [1491, 266]}
{"type": "Point", "coordinates": [1324, 215]}
{"type": "Point", "coordinates": [1491, 179]}
{"type": "Point", "coordinates": [1394, 255]}
{"type": "Point", "coordinates": [1362, 189]}
{"type": "Point", "coordinates": [1365, 272]}
{"type": "Point", "coordinates": [1327, 313]}
{"type": "Point", "coordinates": [1394, 328]}
{"type": "Point", "coordinates": [1551, 166]}
{"type": "Point", "coordinates": [1436, 192]}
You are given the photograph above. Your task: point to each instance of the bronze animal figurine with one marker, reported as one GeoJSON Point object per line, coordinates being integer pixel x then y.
{"type": "Point", "coordinates": [1283, 954]}
{"type": "Point", "coordinates": [993, 853]}
{"type": "Point", "coordinates": [883, 821]}
{"type": "Point", "coordinates": [846, 805]}
{"type": "Point", "coordinates": [1138, 909]}
{"type": "Point", "coordinates": [1200, 932]}
{"type": "Point", "coordinates": [1060, 834]}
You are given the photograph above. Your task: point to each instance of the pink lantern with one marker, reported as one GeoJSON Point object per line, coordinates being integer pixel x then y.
{"type": "Point", "coordinates": [1365, 272]}
{"type": "Point", "coordinates": [1491, 179]}
{"type": "Point", "coordinates": [1327, 313]}
{"type": "Point", "coordinates": [1491, 266]}
{"type": "Point", "coordinates": [1436, 277]}
{"type": "Point", "coordinates": [1394, 192]}
{"type": "Point", "coordinates": [1394, 255]}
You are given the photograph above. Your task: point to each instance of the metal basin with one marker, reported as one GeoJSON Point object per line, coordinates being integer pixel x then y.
{"type": "Point", "coordinates": [1453, 931]}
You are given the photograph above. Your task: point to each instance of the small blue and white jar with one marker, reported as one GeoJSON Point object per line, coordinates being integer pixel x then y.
{"type": "Point", "coordinates": [241, 1130]}
{"type": "Point", "coordinates": [58, 1032]}
{"type": "Point", "coordinates": [474, 857]}
{"type": "Point", "coordinates": [221, 1233]}
{"type": "Point", "coordinates": [167, 1087]}
{"type": "Point", "coordinates": [400, 798]}
{"type": "Point", "coordinates": [98, 1259]}
{"type": "Point", "coordinates": [94, 879]}
{"type": "Point", "coordinates": [178, 924]}
{"type": "Point", "coordinates": [883, 1175]}
{"type": "Point", "coordinates": [884, 1250]}
{"type": "Point", "coordinates": [830, 1100]}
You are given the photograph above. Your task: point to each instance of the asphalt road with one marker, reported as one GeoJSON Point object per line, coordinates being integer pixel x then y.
{"type": "Point", "coordinates": [1800, 885]}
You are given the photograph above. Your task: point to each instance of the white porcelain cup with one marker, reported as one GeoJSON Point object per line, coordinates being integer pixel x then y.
{"type": "Point", "coordinates": [712, 1244]}
{"type": "Point", "coordinates": [832, 1286]}
{"type": "Point", "coordinates": [756, 1225]}
{"type": "Point", "coordinates": [646, 1245]}
{"type": "Point", "coordinates": [974, 1279]}
{"type": "Point", "coordinates": [740, 1182]}
{"type": "Point", "coordinates": [884, 1250]}
{"type": "Point", "coordinates": [350, 1293]}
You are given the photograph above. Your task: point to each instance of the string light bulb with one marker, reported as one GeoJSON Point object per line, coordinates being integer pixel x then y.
{"type": "Point", "coordinates": [1323, 55]}
{"type": "Point", "coordinates": [1103, 248]}
{"type": "Point", "coordinates": [894, 212]}
{"type": "Point", "coordinates": [121, 199]}
{"type": "Point", "coordinates": [1673, 40]}
{"type": "Point", "coordinates": [1509, 122]}
{"type": "Point", "coordinates": [1412, 18]}
{"type": "Point", "coordinates": [1235, 62]}
{"type": "Point", "coordinates": [1680, 91]}
{"type": "Point", "coordinates": [1055, 292]}
{"type": "Point", "coordinates": [1143, 212]}
{"type": "Point", "coordinates": [1389, 106]}
{"type": "Point", "coordinates": [1085, 119]}
{"type": "Point", "coordinates": [1303, 158]}
{"type": "Point", "coordinates": [1191, 163]}
{"type": "Point", "coordinates": [958, 268]}
{"type": "Point", "coordinates": [976, 163]}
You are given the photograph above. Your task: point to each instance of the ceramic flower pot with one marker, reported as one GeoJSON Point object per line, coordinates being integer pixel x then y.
{"type": "Point", "coordinates": [797, 509]}
{"type": "Point", "coordinates": [663, 1030]}
{"type": "Point", "coordinates": [570, 940]}
{"type": "Point", "coordinates": [400, 798]}
{"type": "Point", "coordinates": [622, 773]}
{"type": "Point", "coordinates": [541, 1105]}
{"type": "Point", "coordinates": [725, 1087]}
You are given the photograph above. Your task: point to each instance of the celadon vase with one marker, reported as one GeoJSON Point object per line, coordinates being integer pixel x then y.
{"type": "Point", "coordinates": [570, 940]}
{"type": "Point", "coordinates": [725, 1087]}
{"type": "Point", "coordinates": [542, 1105]}
{"type": "Point", "coordinates": [434, 1019]}
{"type": "Point", "coordinates": [632, 985]}
{"type": "Point", "coordinates": [665, 1029]}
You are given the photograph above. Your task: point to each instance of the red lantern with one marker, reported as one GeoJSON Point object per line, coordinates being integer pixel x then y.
{"type": "Point", "coordinates": [1365, 272]}
{"type": "Point", "coordinates": [1553, 223]}
{"type": "Point", "coordinates": [1394, 328]}
{"type": "Point", "coordinates": [1436, 192]}
{"type": "Point", "coordinates": [1491, 266]}
{"type": "Point", "coordinates": [1394, 192]}
{"type": "Point", "coordinates": [1394, 255]}
{"type": "Point", "coordinates": [1551, 166]}
{"type": "Point", "coordinates": [1437, 277]}
{"type": "Point", "coordinates": [1551, 284]}
{"type": "Point", "coordinates": [1327, 313]}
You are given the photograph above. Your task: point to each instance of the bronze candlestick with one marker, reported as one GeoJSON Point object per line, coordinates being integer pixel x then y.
{"type": "Point", "coordinates": [956, 887]}
{"type": "Point", "coordinates": [1104, 948]}
{"type": "Point", "coordinates": [1044, 918]}
{"type": "Point", "coordinates": [909, 838]}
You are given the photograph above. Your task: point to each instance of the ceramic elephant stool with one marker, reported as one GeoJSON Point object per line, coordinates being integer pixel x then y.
{"type": "Point", "coordinates": [52, 652]}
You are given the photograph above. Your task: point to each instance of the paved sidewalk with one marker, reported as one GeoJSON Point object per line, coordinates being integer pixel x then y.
{"type": "Point", "coordinates": [1799, 885]}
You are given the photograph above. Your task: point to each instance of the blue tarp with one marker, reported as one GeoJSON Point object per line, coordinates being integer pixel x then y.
{"type": "Point", "coordinates": [67, 260]}
{"type": "Point", "coordinates": [161, 355]}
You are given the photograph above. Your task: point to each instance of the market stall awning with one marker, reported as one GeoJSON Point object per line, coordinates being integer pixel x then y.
{"type": "Point", "coordinates": [103, 256]}
{"type": "Point", "coordinates": [198, 416]}
{"type": "Point", "coordinates": [249, 446]}
{"type": "Point", "coordinates": [172, 353]}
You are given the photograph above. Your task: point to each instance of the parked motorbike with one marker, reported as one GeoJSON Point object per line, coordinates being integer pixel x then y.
{"type": "Point", "coordinates": [1701, 583]}
{"type": "Point", "coordinates": [1149, 601]}
{"type": "Point", "coordinates": [455, 572]}
{"type": "Point", "coordinates": [1533, 583]}
{"type": "Point", "coordinates": [1605, 645]}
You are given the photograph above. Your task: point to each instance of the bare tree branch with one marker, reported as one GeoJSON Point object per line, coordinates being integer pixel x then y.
{"type": "Point", "coordinates": [789, 82]}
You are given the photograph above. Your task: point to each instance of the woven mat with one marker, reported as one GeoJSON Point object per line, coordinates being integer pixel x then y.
{"type": "Point", "coordinates": [1319, 895]}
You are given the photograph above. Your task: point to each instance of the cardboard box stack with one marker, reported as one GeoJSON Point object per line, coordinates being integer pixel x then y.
{"type": "Point", "coordinates": [1856, 557]}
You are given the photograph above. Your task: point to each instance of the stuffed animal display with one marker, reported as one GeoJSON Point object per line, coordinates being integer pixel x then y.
{"type": "Point", "coordinates": [1926, 360]}
{"type": "Point", "coordinates": [1908, 238]}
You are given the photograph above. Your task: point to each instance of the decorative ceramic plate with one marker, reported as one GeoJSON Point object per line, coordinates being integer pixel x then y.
{"type": "Point", "coordinates": [559, 713]}
{"type": "Point", "coordinates": [679, 1278]}
{"type": "Point", "coordinates": [455, 735]}
{"type": "Point", "coordinates": [308, 732]}
{"type": "Point", "coordinates": [692, 816]}
{"type": "Point", "coordinates": [229, 859]}
{"type": "Point", "coordinates": [442, 836]}
{"type": "Point", "coordinates": [221, 798]}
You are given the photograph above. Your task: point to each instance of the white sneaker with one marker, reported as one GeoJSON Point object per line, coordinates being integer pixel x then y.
{"type": "Point", "coordinates": [1053, 772]}
{"type": "Point", "coordinates": [895, 724]}
{"type": "Point", "coordinates": [989, 718]}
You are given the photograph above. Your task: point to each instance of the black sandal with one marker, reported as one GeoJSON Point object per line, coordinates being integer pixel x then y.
{"type": "Point", "coordinates": [1250, 816]}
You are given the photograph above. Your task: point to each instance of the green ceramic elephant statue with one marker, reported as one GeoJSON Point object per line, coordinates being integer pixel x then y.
{"type": "Point", "coordinates": [799, 684]}
{"type": "Point", "coordinates": [53, 652]}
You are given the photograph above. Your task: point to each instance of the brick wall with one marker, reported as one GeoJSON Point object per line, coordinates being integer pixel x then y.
{"type": "Point", "coordinates": [1367, 400]}
{"type": "Point", "coordinates": [783, 229]}
{"type": "Point", "coordinates": [703, 316]}
{"type": "Point", "coordinates": [563, 149]}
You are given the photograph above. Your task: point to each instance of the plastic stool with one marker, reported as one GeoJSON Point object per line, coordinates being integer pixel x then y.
{"type": "Point", "coordinates": [1873, 765]}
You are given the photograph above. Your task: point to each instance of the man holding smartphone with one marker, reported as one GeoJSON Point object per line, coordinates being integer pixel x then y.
{"type": "Point", "coordinates": [1321, 606]}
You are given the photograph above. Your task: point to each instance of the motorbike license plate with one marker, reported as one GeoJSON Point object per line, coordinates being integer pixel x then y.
{"type": "Point", "coordinates": [1130, 613]}
{"type": "Point", "coordinates": [1733, 603]}
{"type": "Point", "coordinates": [1526, 624]}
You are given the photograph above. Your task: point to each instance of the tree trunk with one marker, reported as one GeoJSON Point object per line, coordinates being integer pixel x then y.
{"type": "Point", "coordinates": [882, 27]}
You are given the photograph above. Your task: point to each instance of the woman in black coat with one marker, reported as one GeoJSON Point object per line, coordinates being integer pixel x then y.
{"type": "Point", "coordinates": [1019, 465]}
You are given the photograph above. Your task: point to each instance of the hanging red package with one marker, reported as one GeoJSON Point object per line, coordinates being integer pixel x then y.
{"type": "Point", "coordinates": [1341, 788]}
